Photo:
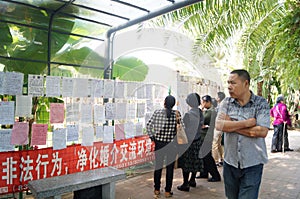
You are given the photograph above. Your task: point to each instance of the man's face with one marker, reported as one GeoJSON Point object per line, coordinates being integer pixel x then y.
{"type": "Point", "coordinates": [237, 87]}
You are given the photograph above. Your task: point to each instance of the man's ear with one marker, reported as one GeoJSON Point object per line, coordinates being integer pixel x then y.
{"type": "Point", "coordinates": [246, 82]}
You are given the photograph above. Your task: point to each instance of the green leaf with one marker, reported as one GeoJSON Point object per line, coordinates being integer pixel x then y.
{"type": "Point", "coordinates": [130, 69]}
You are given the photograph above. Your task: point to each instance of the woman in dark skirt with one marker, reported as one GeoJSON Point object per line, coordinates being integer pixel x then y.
{"type": "Point", "coordinates": [189, 161]}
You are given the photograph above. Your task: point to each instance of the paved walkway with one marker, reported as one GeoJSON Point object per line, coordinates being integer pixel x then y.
{"type": "Point", "coordinates": [280, 179]}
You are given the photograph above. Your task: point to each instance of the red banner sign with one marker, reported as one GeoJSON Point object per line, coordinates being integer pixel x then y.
{"type": "Point", "coordinates": [20, 167]}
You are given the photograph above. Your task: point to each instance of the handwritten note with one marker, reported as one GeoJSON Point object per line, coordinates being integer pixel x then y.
{"type": "Point", "coordinates": [7, 112]}
{"type": "Point", "coordinates": [57, 113]}
{"type": "Point", "coordinates": [39, 134]}
{"type": "Point", "coordinates": [59, 137]}
{"type": "Point", "coordinates": [5, 138]}
{"type": "Point", "coordinates": [72, 133]}
{"type": "Point", "coordinates": [20, 133]}
{"type": "Point", "coordinates": [53, 86]}
{"type": "Point", "coordinates": [36, 85]}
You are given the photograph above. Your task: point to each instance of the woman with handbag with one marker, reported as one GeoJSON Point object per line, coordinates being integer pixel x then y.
{"type": "Point", "coordinates": [189, 161]}
{"type": "Point", "coordinates": [161, 129]}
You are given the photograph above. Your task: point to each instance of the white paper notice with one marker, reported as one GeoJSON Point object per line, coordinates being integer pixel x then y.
{"type": "Point", "coordinates": [131, 89]}
{"type": "Point", "coordinates": [149, 106]}
{"type": "Point", "coordinates": [129, 130]}
{"type": "Point", "coordinates": [87, 136]}
{"type": "Point", "coordinates": [59, 137]}
{"type": "Point", "coordinates": [97, 88]}
{"type": "Point", "coordinates": [141, 91]}
{"type": "Point", "coordinates": [67, 87]}
{"type": "Point", "coordinates": [99, 114]}
{"type": "Point", "coordinates": [131, 111]}
{"type": "Point", "coordinates": [108, 88]}
{"type": "Point", "coordinates": [20, 133]}
{"type": "Point", "coordinates": [99, 132]}
{"type": "Point", "coordinates": [120, 111]}
{"type": "Point", "coordinates": [149, 91]}
{"type": "Point", "coordinates": [108, 134]}
{"type": "Point", "coordinates": [110, 111]}
{"type": "Point", "coordinates": [5, 138]}
{"type": "Point", "coordinates": [36, 85]}
{"type": "Point", "coordinates": [72, 133]}
{"type": "Point", "coordinates": [80, 88]}
{"type": "Point", "coordinates": [119, 89]}
{"type": "Point", "coordinates": [139, 129]}
{"type": "Point", "coordinates": [7, 112]}
{"type": "Point", "coordinates": [13, 83]}
{"type": "Point", "coordinates": [72, 112]}
{"type": "Point", "coordinates": [23, 106]}
{"type": "Point", "coordinates": [53, 86]}
{"type": "Point", "coordinates": [140, 110]}
{"type": "Point", "coordinates": [2, 76]}
{"type": "Point", "coordinates": [86, 113]}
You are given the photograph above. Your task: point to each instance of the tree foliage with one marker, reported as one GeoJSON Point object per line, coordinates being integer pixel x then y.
{"type": "Point", "coordinates": [264, 33]}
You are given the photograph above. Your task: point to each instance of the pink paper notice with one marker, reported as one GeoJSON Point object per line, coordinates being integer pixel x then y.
{"type": "Point", "coordinates": [20, 133]}
{"type": "Point", "coordinates": [57, 113]}
{"type": "Point", "coordinates": [119, 132]}
{"type": "Point", "coordinates": [39, 134]}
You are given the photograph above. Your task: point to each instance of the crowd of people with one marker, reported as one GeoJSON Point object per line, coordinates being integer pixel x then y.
{"type": "Point", "coordinates": [226, 132]}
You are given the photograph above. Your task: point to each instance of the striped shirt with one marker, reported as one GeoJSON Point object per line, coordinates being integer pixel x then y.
{"type": "Point", "coordinates": [242, 151]}
{"type": "Point", "coordinates": [160, 127]}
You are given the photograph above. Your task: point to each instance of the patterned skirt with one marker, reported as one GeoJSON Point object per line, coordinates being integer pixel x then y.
{"type": "Point", "coordinates": [189, 161]}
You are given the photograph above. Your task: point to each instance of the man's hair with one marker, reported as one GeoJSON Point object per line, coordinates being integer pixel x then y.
{"type": "Point", "coordinates": [242, 73]}
{"type": "Point", "coordinates": [221, 95]}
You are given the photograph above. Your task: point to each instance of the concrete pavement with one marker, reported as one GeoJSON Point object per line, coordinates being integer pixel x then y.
{"type": "Point", "coordinates": [280, 178]}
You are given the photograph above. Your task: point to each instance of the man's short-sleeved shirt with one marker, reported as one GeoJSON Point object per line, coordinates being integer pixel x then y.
{"type": "Point", "coordinates": [242, 151]}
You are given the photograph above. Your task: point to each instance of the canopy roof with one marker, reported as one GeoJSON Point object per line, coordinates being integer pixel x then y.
{"type": "Point", "coordinates": [52, 26]}
{"type": "Point", "coordinates": [106, 14]}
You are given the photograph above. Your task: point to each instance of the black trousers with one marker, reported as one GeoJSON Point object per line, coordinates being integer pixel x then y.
{"type": "Point", "coordinates": [277, 139]}
{"type": "Point", "coordinates": [164, 153]}
{"type": "Point", "coordinates": [210, 167]}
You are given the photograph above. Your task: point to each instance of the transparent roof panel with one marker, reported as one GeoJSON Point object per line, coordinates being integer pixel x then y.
{"type": "Point", "coordinates": [109, 13]}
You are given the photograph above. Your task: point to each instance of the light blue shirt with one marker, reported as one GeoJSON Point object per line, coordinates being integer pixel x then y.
{"type": "Point", "coordinates": [242, 151]}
